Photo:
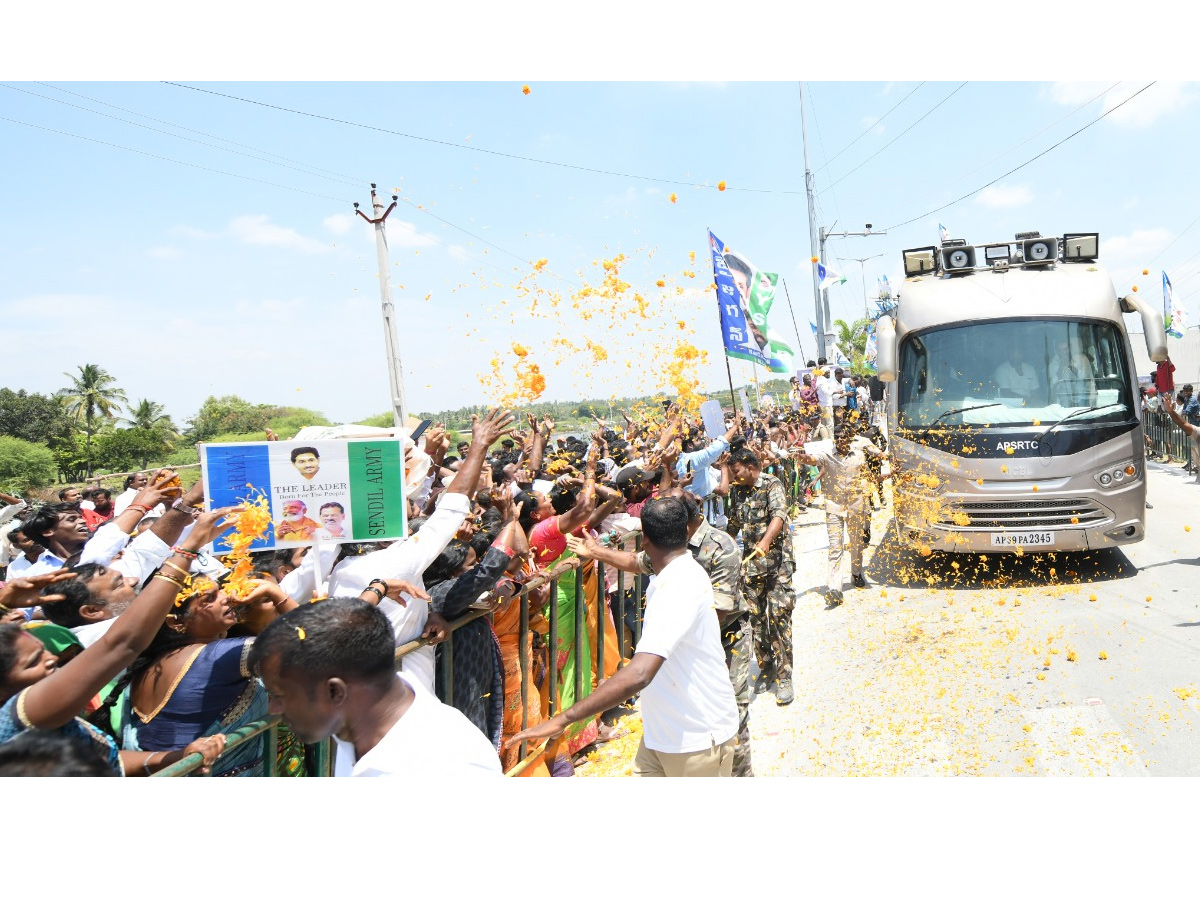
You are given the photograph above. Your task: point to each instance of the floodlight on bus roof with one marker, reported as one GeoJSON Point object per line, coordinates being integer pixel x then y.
{"type": "Point", "coordinates": [920, 260]}
{"type": "Point", "coordinates": [1085, 246]}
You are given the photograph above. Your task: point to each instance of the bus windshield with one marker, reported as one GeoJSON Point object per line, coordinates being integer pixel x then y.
{"type": "Point", "coordinates": [1014, 373]}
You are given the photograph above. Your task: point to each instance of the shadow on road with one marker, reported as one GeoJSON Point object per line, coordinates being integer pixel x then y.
{"type": "Point", "coordinates": [895, 564]}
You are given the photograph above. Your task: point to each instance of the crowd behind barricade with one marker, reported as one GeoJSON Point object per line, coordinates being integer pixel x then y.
{"type": "Point", "coordinates": [123, 649]}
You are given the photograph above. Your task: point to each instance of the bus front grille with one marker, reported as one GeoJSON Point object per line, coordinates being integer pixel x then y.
{"type": "Point", "coordinates": [1020, 514]}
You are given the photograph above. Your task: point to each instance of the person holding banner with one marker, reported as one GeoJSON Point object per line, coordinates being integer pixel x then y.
{"type": "Point", "coordinates": [407, 560]}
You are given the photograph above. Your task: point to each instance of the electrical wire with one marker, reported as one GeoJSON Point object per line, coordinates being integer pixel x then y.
{"type": "Point", "coordinates": [897, 137]}
{"type": "Point", "coordinates": [1024, 164]}
{"type": "Point", "coordinates": [285, 187]}
{"type": "Point", "coordinates": [965, 175]}
{"type": "Point", "coordinates": [869, 127]}
{"type": "Point", "coordinates": [215, 137]}
{"type": "Point", "coordinates": [338, 178]}
{"type": "Point", "coordinates": [176, 161]}
{"type": "Point", "coordinates": [500, 153]}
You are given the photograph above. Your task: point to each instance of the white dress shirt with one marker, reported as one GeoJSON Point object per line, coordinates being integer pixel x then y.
{"type": "Point", "coordinates": [431, 742]}
{"type": "Point", "coordinates": [406, 560]}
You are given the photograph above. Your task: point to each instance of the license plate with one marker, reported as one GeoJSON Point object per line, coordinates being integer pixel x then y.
{"type": "Point", "coordinates": [1022, 538]}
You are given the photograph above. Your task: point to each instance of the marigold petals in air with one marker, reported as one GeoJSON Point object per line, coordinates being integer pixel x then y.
{"type": "Point", "coordinates": [672, 197]}
{"type": "Point", "coordinates": [525, 89]}
{"type": "Point", "coordinates": [720, 185]}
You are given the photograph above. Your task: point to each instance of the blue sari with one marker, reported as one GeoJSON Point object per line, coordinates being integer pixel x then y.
{"type": "Point", "coordinates": [214, 694]}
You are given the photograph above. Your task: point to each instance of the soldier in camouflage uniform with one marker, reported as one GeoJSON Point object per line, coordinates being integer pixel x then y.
{"type": "Point", "coordinates": [758, 507]}
{"type": "Point", "coordinates": [718, 556]}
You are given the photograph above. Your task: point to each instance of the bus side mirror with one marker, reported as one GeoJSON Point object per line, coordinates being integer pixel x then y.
{"type": "Point", "coordinates": [885, 344]}
{"type": "Point", "coordinates": [1152, 325]}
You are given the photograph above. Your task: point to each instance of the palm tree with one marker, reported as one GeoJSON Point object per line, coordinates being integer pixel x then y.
{"type": "Point", "coordinates": [151, 417]}
{"type": "Point", "coordinates": [853, 340]}
{"type": "Point", "coordinates": [154, 428]}
{"type": "Point", "coordinates": [91, 394]}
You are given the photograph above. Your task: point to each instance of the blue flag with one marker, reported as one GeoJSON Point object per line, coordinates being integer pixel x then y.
{"type": "Point", "coordinates": [736, 333]}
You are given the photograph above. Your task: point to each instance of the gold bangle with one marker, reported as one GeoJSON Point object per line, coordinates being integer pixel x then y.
{"type": "Point", "coordinates": [174, 581]}
{"type": "Point", "coordinates": [182, 572]}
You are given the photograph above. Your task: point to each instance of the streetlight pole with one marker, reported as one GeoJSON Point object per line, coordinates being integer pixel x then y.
{"type": "Point", "coordinates": [863, 275]}
{"type": "Point", "coordinates": [826, 235]}
{"type": "Point", "coordinates": [815, 240]}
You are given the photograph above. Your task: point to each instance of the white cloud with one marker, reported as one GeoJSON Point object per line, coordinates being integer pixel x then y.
{"type": "Point", "coordinates": [339, 223]}
{"type": "Point", "coordinates": [1005, 196]}
{"type": "Point", "coordinates": [167, 252]}
{"type": "Point", "coordinates": [406, 235]}
{"type": "Point", "coordinates": [1163, 98]}
{"type": "Point", "coordinates": [196, 233]}
{"type": "Point", "coordinates": [260, 231]}
{"type": "Point", "coordinates": [1138, 247]}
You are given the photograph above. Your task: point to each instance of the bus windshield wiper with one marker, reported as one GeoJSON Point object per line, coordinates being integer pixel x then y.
{"type": "Point", "coordinates": [1078, 412]}
{"type": "Point", "coordinates": [964, 409]}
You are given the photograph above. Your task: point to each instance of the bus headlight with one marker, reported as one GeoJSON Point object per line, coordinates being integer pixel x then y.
{"type": "Point", "coordinates": [1118, 474]}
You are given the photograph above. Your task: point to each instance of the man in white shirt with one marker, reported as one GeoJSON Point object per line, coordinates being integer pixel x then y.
{"type": "Point", "coordinates": [1016, 376]}
{"type": "Point", "coordinates": [689, 713]}
{"type": "Point", "coordinates": [329, 670]}
{"type": "Point", "coordinates": [826, 386]}
{"type": "Point", "coordinates": [407, 559]}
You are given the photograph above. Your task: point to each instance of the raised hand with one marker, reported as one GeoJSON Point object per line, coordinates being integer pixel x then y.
{"type": "Point", "coordinates": [489, 429]}
{"type": "Point", "coordinates": [23, 592]}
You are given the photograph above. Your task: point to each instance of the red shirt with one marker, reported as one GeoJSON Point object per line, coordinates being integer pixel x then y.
{"type": "Point", "coordinates": [1164, 381]}
{"type": "Point", "coordinates": [94, 519]}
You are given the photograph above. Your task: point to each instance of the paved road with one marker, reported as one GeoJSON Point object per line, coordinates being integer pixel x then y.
{"type": "Point", "coordinates": [1051, 665]}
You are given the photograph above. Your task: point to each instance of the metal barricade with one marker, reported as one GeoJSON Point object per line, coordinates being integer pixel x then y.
{"type": "Point", "coordinates": [1166, 438]}
{"type": "Point", "coordinates": [320, 756]}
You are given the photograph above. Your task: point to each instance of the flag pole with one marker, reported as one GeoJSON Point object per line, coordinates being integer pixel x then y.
{"type": "Point", "coordinates": [788, 295]}
{"type": "Point", "coordinates": [721, 325]}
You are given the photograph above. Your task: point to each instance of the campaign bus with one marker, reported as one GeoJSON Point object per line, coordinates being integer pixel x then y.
{"type": "Point", "coordinates": [1013, 412]}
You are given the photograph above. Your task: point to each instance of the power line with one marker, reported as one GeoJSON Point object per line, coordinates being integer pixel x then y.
{"type": "Point", "coordinates": [869, 128]}
{"type": "Point", "coordinates": [216, 137]}
{"type": "Point", "coordinates": [1024, 164]}
{"type": "Point", "coordinates": [1022, 143]}
{"type": "Point", "coordinates": [900, 135]}
{"type": "Point", "coordinates": [344, 178]}
{"type": "Point", "coordinates": [171, 160]}
{"type": "Point", "coordinates": [339, 178]}
{"type": "Point", "coordinates": [275, 184]}
{"type": "Point", "coordinates": [1177, 237]}
{"type": "Point", "coordinates": [442, 143]}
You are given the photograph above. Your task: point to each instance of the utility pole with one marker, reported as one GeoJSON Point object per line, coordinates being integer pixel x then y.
{"type": "Point", "coordinates": [816, 243]}
{"type": "Point", "coordinates": [863, 275]}
{"type": "Point", "coordinates": [395, 373]}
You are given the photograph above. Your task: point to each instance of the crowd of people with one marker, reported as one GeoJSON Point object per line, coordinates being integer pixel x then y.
{"type": "Point", "coordinates": [122, 651]}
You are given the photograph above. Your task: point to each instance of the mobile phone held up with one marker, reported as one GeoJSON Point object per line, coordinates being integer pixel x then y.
{"type": "Point", "coordinates": [420, 429]}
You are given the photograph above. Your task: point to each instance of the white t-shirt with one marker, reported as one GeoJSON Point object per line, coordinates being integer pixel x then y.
{"type": "Point", "coordinates": [689, 706]}
{"type": "Point", "coordinates": [430, 741]}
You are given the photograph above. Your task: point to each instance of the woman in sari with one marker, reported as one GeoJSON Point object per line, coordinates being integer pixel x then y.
{"type": "Point", "coordinates": [456, 583]}
{"type": "Point", "coordinates": [193, 680]}
{"type": "Point", "coordinates": [37, 694]}
{"type": "Point", "coordinates": [548, 520]}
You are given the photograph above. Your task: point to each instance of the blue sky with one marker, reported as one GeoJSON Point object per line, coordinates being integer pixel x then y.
{"type": "Point", "coordinates": [184, 282]}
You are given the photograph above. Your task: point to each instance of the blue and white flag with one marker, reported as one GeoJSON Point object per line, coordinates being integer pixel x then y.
{"type": "Point", "coordinates": [1174, 316]}
{"type": "Point", "coordinates": [745, 297]}
{"type": "Point", "coordinates": [943, 233]}
{"type": "Point", "coordinates": [871, 350]}
{"type": "Point", "coordinates": [828, 277]}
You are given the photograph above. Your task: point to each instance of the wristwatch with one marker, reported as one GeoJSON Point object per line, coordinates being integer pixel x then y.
{"type": "Point", "coordinates": [179, 506]}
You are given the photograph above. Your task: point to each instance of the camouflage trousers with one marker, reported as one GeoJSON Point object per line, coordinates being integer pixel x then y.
{"type": "Point", "coordinates": [771, 600]}
{"type": "Point", "coordinates": [735, 638]}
